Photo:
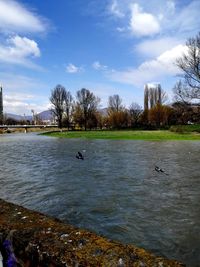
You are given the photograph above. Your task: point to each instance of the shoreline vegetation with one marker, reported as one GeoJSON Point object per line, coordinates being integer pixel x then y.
{"type": "Point", "coordinates": [184, 132]}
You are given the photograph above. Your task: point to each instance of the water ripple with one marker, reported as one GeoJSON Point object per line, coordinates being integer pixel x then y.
{"type": "Point", "coordinates": [114, 191]}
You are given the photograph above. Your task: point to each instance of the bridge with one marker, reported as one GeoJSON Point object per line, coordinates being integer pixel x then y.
{"type": "Point", "coordinates": [26, 127]}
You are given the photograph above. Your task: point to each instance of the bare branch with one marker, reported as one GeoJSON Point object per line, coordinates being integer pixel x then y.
{"type": "Point", "coordinates": [189, 63]}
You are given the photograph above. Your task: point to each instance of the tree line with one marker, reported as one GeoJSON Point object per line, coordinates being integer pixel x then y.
{"type": "Point", "coordinates": [83, 111]}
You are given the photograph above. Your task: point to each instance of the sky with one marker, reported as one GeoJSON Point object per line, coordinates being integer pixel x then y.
{"type": "Point", "coordinates": [107, 46]}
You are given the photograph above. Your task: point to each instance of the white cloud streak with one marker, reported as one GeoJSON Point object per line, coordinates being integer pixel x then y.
{"type": "Point", "coordinates": [97, 66]}
{"type": "Point", "coordinates": [155, 47]}
{"type": "Point", "coordinates": [18, 96]}
{"type": "Point", "coordinates": [16, 20]}
{"type": "Point", "coordinates": [18, 50]}
{"type": "Point", "coordinates": [14, 17]}
{"type": "Point", "coordinates": [21, 107]}
{"type": "Point", "coordinates": [71, 68]}
{"type": "Point", "coordinates": [187, 20]}
{"type": "Point", "coordinates": [142, 23]}
{"type": "Point", "coordinates": [151, 70]}
{"type": "Point", "coordinates": [115, 9]}
{"type": "Point", "coordinates": [157, 18]}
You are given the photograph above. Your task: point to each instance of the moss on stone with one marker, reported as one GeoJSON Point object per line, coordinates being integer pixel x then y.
{"type": "Point", "coordinates": [39, 240]}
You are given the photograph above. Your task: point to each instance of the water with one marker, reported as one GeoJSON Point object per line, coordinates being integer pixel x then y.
{"type": "Point", "coordinates": [115, 191]}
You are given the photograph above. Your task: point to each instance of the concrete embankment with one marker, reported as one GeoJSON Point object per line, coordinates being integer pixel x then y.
{"type": "Point", "coordinates": [29, 238]}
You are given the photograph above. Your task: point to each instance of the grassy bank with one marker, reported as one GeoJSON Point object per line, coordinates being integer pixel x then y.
{"type": "Point", "coordinates": [128, 135]}
{"type": "Point", "coordinates": [185, 128]}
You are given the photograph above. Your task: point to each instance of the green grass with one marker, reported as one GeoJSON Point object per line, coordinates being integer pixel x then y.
{"type": "Point", "coordinates": [127, 135]}
{"type": "Point", "coordinates": [185, 128]}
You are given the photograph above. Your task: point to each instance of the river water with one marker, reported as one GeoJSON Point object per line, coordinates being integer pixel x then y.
{"type": "Point", "coordinates": [114, 191]}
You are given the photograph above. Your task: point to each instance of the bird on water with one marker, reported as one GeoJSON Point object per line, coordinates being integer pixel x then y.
{"type": "Point", "coordinates": [160, 170]}
{"type": "Point", "coordinates": [79, 155]}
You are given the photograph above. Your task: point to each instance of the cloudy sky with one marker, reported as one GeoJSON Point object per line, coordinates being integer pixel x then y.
{"type": "Point", "coordinates": [107, 46]}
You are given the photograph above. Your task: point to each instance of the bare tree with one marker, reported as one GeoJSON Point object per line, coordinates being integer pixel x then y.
{"type": "Point", "coordinates": [160, 115]}
{"type": "Point", "coordinates": [181, 92]}
{"type": "Point", "coordinates": [87, 103]}
{"type": "Point", "coordinates": [152, 101]}
{"type": "Point", "coordinates": [146, 97]}
{"type": "Point", "coordinates": [1, 105]}
{"type": "Point", "coordinates": [154, 95]}
{"type": "Point", "coordinates": [189, 63]}
{"type": "Point", "coordinates": [135, 110]}
{"type": "Point", "coordinates": [68, 108]}
{"type": "Point", "coordinates": [114, 103]}
{"type": "Point", "coordinates": [58, 100]}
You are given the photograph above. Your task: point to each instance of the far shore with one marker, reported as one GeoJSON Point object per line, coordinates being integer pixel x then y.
{"type": "Point", "coordinates": [181, 132]}
{"type": "Point", "coordinates": [156, 135]}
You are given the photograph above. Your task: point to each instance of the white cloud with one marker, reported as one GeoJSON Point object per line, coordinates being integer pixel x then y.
{"type": "Point", "coordinates": [187, 20]}
{"type": "Point", "coordinates": [115, 9]}
{"type": "Point", "coordinates": [143, 24]}
{"type": "Point", "coordinates": [23, 106]}
{"type": "Point", "coordinates": [18, 50]}
{"type": "Point", "coordinates": [22, 93]}
{"type": "Point", "coordinates": [155, 47]}
{"type": "Point", "coordinates": [171, 7]}
{"type": "Point", "coordinates": [15, 20]}
{"type": "Point", "coordinates": [151, 70]}
{"type": "Point", "coordinates": [121, 29]}
{"type": "Point", "coordinates": [180, 20]}
{"type": "Point", "coordinates": [71, 68]}
{"type": "Point", "coordinates": [97, 66]}
{"type": "Point", "coordinates": [148, 18]}
{"type": "Point", "coordinates": [23, 103]}
{"type": "Point", "coordinates": [15, 104]}
{"type": "Point", "coordinates": [13, 83]}
{"type": "Point", "coordinates": [14, 17]}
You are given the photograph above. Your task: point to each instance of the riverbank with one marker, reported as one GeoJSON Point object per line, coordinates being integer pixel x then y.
{"type": "Point", "coordinates": [33, 239]}
{"type": "Point", "coordinates": [157, 135]}
{"type": "Point", "coordinates": [23, 130]}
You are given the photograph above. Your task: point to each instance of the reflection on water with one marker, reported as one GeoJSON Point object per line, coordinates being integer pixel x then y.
{"type": "Point", "coordinates": [115, 191]}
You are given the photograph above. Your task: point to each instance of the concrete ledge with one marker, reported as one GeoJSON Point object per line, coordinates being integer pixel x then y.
{"type": "Point", "coordinates": [29, 238]}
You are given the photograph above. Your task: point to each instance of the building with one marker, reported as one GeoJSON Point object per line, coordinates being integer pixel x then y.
{"type": "Point", "coordinates": [1, 104]}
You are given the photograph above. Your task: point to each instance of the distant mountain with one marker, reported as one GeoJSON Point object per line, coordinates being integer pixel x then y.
{"type": "Point", "coordinates": [103, 111]}
{"type": "Point", "coordinates": [18, 117]}
{"type": "Point", "coordinates": [45, 115]}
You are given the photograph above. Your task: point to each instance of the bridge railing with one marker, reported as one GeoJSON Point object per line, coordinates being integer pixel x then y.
{"type": "Point", "coordinates": [28, 126]}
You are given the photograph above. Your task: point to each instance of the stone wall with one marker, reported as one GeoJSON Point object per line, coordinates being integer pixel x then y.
{"type": "Point", "coordinates": [29, 238]}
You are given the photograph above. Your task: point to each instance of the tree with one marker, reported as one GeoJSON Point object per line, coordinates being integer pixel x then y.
{"type": "Point", "coordinates": [68, 109]}
{"type": "Point", "coordinates": [160, 115]}
{"type": "Point", "coordinates": [189, 64]}
{"type": "Point", "coordinates": [153, 95]}
{"type": "Point", "coordinates": [185, 112]}
{"type": "Point", "coordinates": [10, 121]}
{"type": "Point", "coordinates": [135, 110]}
{"type": "Point", "coordinates": [87, 103]}
{"type": "Point", "coordinates": [78, 115]}
{"type": "Point", "coordinates": [117, 115]}
{"type": "Point", "coordinates": [114, 103]}
{"type": "Point", "coordinates": [146, 98]}
{"type": "Point", "coordinates": [58, 100]}
{"type": "Point", "coordinates": [118, 119]}
{"type": "Point", "coordinates": [181, 92]}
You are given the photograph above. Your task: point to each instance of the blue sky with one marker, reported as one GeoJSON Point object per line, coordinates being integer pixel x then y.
{"type": "Point", "coordinates": [107, 46]}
